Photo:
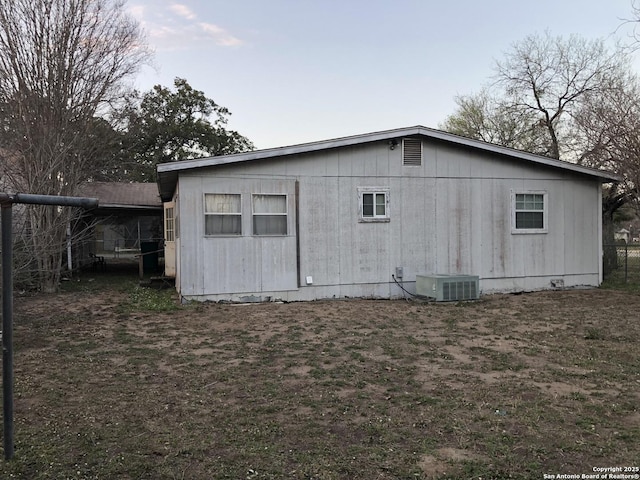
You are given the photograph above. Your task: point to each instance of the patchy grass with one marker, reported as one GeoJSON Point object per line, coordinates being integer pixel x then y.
{"type": "Point", "coordinates": [116, 382]}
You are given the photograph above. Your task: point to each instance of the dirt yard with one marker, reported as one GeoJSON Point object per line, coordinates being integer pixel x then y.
{"type": "Point", "coordinates": [122, 382]}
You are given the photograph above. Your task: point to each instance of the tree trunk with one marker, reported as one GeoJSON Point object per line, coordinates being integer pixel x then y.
{"type": "Point", "coordinates": [610, 254]}
{"type": "Point", "coordinates": [611, 202]}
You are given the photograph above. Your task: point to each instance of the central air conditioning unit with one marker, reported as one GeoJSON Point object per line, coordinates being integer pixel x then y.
{"type": "Point", "coordinates": [447, 288]}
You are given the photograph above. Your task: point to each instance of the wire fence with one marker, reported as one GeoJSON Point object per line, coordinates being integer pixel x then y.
{"type": "Point", "coordinates": [627, 268]}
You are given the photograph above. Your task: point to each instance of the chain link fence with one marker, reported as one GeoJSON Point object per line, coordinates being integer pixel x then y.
{"type": "Point", "coordinates": [627, 269]}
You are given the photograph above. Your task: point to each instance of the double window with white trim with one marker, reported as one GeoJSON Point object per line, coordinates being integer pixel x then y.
{"type": "Point", "coordinates": [223, 214]}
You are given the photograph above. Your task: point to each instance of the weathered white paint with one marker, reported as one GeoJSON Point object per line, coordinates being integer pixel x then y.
{"type": "Point", "coordinates": [451, 215]}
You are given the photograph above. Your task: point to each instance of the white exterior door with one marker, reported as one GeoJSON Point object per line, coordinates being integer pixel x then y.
{"type": "Point", "coordinates": [169, 239]}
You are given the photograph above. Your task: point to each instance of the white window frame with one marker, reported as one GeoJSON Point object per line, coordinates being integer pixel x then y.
{"type": "Point", "coordinates": [373, 191]}
{"type": "Point", "coordinates": [271, 214]}
{"type": "Point", "coordinates": [545, 212]}
{"type": "Point", "coordinates": [219, 214]}
{"type": "Point", "coordinates": [169, 224]}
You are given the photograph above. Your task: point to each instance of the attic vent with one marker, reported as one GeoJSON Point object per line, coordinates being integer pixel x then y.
{"type": "Point", "coordinates": [412, 152]}
{"type": "Point", "coordinates": [444, 288]}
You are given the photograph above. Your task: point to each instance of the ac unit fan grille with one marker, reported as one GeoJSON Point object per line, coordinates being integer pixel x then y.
{"type": "Point", "coordinates": [459, 291]}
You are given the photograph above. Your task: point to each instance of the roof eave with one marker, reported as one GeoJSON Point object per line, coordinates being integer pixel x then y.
{"type": "Point", "coordinates": [168, 172]}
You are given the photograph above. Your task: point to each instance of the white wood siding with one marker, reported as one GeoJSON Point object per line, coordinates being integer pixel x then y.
{"type": "Point", "coordinates": [245, 264]}
{"type": "Point", "coordinates": [451, 215]}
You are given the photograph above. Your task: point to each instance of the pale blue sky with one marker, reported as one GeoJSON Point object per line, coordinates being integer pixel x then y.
{"type": "Point", "coordinates": [294, 71]}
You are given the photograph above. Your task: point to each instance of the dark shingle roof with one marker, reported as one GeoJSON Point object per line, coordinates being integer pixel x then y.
{"type": "Point", "coordinates": [123, 195]}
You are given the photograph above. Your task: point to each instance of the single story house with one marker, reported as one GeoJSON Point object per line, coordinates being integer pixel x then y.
{"type": "Point", "coordinates": [369, 215]}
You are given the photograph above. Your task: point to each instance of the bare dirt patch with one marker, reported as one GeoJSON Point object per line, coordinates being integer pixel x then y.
{"type": "Point", "coordinates": [511, 386]}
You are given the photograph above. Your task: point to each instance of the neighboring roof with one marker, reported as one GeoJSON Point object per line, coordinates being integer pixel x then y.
{"type": "Point", "coordinates": [130, 196]}
{"type": "Point", "coordinates": [168, 172]}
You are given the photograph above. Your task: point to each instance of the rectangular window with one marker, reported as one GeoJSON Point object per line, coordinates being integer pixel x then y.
{"type": "Point", "coordinates": [529, 212]}
{"type": "Point", "coordinates": [169, 231]}
{"type": "Point", "coordinates": [269, 214]}
{"type": "Point", "coordinates": [222, 214]}
{"type": "Point", "coordinates": [374, 204]}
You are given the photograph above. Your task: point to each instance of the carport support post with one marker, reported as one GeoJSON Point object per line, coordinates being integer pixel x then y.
{"type": "Point", "coordinates": [7, 328]}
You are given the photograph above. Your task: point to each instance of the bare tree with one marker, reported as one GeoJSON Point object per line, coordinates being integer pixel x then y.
{"type": "Point", "coordinates": [579, 102]}
{"type": "Point", "coordinates": [551, 76]}
{"type": "Point", "coordinates": [495, 120]}
{"type": "Point", "coordinates": [610, 124]}
{"type": "Point", "coordinates": [62, 62]}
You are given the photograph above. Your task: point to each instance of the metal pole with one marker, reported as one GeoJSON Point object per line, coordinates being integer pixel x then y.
{"type": "Point", "coordinates": [82, 202]}
{"type": "Point", "coordinates": [7, 328]}
{"type": "Point", "coordinates": [6, 204]}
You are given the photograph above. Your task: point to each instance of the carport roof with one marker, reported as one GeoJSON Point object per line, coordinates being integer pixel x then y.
{"type": "Point", "coordinates": [124, 196]}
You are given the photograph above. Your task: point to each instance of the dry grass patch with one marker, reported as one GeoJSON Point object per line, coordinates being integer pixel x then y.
{"type": "Point", "coordinates": [108, 386]}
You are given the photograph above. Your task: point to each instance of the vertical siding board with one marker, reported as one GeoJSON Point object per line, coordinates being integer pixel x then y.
{"type": "Point", "coordinates": [500, 230]}
{"type": "Point", "coordinates": [278, 268]}
{"type": "Point", "coordinates": [581, 254]}
{"type": "Point", "coordinates": [383, 155]}
{"type": "Point", "coordinates": [430, 225]}
{"type": "Point", "coordinates": [320, 229]}
{"type": "Point", "coordinates": [413, 226]}
{"type": "Point", "coordinates": [399, 231]}
{"type": "Point", "coordinates": [347, 206]}
{"type": "Point", "coordinates": [477, 204]}
{"type": "Point", "coordinates": [332, 231]}
{"type": "Point", "coordinates": [191, 280]}
{"type": "Point", "coordinates": [442, 226]}
{"type": "Point", "coordinates": [345, 166]}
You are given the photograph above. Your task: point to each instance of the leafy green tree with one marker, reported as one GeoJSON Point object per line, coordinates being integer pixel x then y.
{"type": "Point", "coordinates": [162, 125]}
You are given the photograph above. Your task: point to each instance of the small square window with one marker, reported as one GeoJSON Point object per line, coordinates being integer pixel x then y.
{"type": "Point", "coordinates": [529, 212]}
{"type": "Point", "coordinates": [374, 204]}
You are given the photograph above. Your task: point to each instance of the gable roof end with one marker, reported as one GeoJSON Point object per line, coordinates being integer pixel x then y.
{"type": "Point", "coordinates": [168, 172]}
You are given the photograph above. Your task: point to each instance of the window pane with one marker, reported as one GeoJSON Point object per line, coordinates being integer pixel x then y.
{"type": "Point", "coordinates": [529, 201]}
{"type": "Point", "coordinates": [529, 220]}
{"type": "Point", "coordinates": [223, 225]}
{"type": "Point", "coordinates": [367, 204]}
{"type": "Point", "coordinates": [221, 203]}
{"type": "Point", "coordinates": [269, 204]}
{"type": "Point", "coordinates": [168, 224]}
{"type": "Point", "coordinates": [538, 202]}
{"type": "Point", "coordinates": [380, 204]}
{"type": "Point", "coordinates": [269, 224]}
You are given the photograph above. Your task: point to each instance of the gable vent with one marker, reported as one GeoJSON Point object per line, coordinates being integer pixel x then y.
{"type": "Point", "coordinates": [412, 152]}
